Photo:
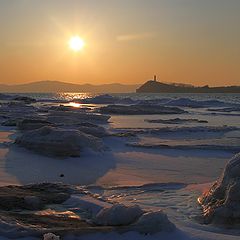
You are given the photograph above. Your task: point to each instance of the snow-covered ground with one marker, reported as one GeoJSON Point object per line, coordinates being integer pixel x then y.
{"type": "Point", "coordinates": [150, 163]}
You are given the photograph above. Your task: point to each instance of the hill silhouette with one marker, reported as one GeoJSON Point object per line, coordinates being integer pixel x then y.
{"type": "Point", "coordinates": [57, 86]}
{"type": "Point", "coordinates": [153, 86]}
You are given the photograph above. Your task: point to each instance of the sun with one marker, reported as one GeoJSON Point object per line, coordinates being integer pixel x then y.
{"type": "Point", "coordinates": [76, 43]}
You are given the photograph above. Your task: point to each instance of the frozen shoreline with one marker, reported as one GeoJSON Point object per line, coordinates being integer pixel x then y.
{"type": "Point", "coordinates": [168, 179]}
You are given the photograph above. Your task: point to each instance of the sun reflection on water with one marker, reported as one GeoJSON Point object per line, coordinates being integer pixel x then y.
{"type": "Point", "coordinates": [75, 96]}
{"type": "Point", "coordinates": [74, 104]}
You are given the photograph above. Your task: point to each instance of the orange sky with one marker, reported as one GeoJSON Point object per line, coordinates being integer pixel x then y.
{"type": "Point", "coordinates": [126, 41]}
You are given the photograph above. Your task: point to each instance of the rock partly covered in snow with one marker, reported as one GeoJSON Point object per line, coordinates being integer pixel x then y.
{"type": "Point", "coordinates": [140, 109]}
{"type": "Point", "coordinates": [221, 203]}
{"type": "Point", "coordinates": [58, 142]}
{"type": "Point", "coordinates": [118, 215]}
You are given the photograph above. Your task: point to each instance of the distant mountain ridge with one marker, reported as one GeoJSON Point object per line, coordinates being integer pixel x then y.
{"type": "Point", "coordinates": [153, 86]}
{"type": "Point", "coordinates": [58, 86]}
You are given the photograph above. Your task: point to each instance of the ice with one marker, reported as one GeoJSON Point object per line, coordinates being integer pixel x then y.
{"type": "Point", "coordinates": [33, 202]}
{"type": "Point", "coordinates": [118, 215]}
{"type": "Point", "coordinates": [191, 146]}
{"type": "Point", "coordinates": [176, 121]}
{"type": "Point", "coordinates": [58, 142]}
{"type": "Point", "coordinates": [93, 129]}
{"type": "Point", "coordinates": [155, 101]}
{"type": "Point", "coordinates": [5, 96]}
{"type": "Point", "coordinates": [50, 236]}
{"type": "Point", "coordinates": [154, 178]}
{"type": "Point", "coordinates": [187, 102]}
{"type": "Point", "coordinates": [182, 129]}
{"type": "Point", "coordinates": [225, 110]}
{"type": "Point", "coordinates": [19, 98]}
{"type": "Point", "coordinates": [25, 99]}
{"type": "Point", "coordinates": [86, 203]}
{"type": "Point", "coordinates": [140, 109]}
{"type": "Point", "coordinates": [153, 222]}
{"type": "Point", "coordinates": [10, 122]}
{"type": "Point", "coordinates": [30, 124]}
{"type": "Point", "coordinates": [106, 99]}
{"type": "Point", "coordinates": [221, 202]}
{"type": "Point", "coordinates": [69, 117]}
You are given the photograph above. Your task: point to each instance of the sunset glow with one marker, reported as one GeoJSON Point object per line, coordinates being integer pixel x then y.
{"type": "Point", "coordinates": [76, 43]}
{"type": "Point", "coordinates": [79, 41]}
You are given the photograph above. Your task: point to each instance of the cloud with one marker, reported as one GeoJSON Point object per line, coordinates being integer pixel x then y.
{"type": "Point", "coordinates": [133, 37]}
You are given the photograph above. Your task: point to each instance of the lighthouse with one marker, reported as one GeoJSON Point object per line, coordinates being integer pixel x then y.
{"type": "Point", "coordinates": [155, 78]}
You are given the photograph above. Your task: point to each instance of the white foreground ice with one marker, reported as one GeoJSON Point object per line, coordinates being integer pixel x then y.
{"type": "Point", "coordinates": [58, 142]}
{"type": "Point", "coordinates": [123, 165]}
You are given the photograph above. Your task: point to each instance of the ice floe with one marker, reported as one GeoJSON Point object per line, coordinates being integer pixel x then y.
{"type": "Point", "coordinates": [153, 222]}
{"type": "Point", "coordinates": [106, 99]}
{"type": "Point", "coordinates": [118, 215]}
{"type": "Point", "coordinates": [62, 117]}
{"type": "Point", "coordinates": [140, 109]}
{"type": "Point", "coordinates": [31, 124]}
{"type": "Point", "coordinates": [92, 129]}
{"type": "Point", "coordinates": [176, 121]}
{"type": "Point", "coordinates": [187, 102]}
{"type": "Point", "coordinates": [58, 142]}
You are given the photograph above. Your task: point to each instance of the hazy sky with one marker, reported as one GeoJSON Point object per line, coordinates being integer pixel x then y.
{"type": "Point", "coordinates": [127, 41]}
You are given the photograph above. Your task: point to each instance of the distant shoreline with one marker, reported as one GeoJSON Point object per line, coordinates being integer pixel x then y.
{"type": "Point", "coordinates": [153, 86]}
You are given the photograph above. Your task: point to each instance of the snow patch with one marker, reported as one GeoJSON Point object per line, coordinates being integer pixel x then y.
{"type": "Point", "coordinates": [153, 222]}
{"type": "Point", "coordinates": [118, 215]}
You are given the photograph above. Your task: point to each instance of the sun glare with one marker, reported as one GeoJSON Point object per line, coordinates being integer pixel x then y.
{"type": "Point", "coordinates": [76, 43]}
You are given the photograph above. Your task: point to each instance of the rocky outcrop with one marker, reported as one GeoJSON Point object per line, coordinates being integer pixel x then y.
{"type": "Point", "coordinates": [221, 203]}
